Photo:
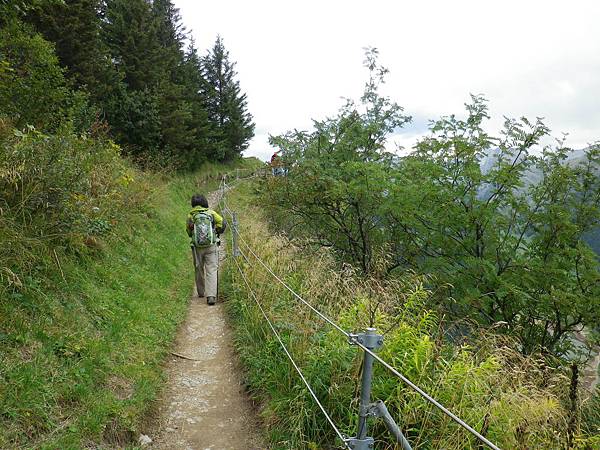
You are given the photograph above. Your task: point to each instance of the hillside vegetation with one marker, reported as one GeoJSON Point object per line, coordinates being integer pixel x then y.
{"type": "Point", "coordinates": [469, 251]}
{"type": "Point", "coordinates": [502, 250]}
{"type": "Point", "coordinates": [86, 319]}
{"type": "Point", "coordinates": [95, 96]}
{"type": "Point", "coordinates": [516, 401]}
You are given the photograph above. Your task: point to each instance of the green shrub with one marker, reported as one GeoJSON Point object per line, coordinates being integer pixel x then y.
{"type": "Point", "coordinates": [33, 89]}
{"type": "Point", "coordinates": [500, 221]}
{"type": "Point", "coordinates": [58, 193]}
{"type": "Point", "coordinates": [518, 401]}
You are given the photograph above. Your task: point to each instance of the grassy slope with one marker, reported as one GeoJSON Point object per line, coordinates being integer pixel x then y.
{"type": "Point", "coordinates": [80, 364]}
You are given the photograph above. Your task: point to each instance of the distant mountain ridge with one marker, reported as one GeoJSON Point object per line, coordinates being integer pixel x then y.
{"type": "Point", "coordinates": [534, 176]}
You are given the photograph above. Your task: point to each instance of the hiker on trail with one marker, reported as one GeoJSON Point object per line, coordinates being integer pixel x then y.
{"type": "Point", "coordinates": [204, 227]}
{"type": "Point", "coordinates": [276, 164]}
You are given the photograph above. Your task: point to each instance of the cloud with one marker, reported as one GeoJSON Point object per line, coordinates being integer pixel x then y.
{"type": "Point", "coordinates": [260, 147]}
{"type": "Point", "coordinates": [296, 60]}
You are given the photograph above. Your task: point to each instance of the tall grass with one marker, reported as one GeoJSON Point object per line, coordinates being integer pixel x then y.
{"type": "Point", "coordinates": [516, 402]}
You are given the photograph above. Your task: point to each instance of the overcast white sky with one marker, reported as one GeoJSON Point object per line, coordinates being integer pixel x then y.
{"type": "Point", "coordinates": [296, 60]}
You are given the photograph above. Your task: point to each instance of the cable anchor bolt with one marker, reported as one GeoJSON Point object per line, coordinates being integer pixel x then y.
{"type": "Point", "coordinates": [367, 339]}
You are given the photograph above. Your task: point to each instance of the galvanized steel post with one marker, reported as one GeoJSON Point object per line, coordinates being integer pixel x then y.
{"type": "Point", "coordinates": [372, 341]}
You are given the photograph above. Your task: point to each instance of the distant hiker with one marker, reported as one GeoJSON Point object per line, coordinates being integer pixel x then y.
{"type": "Point", "coordinates": [204, 227]}
{"type": "Point", "coordinates": [276, 164]}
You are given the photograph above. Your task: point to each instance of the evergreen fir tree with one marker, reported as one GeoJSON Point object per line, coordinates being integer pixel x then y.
{"type": "Point", "coordinates": [171, 34]}
{"type": "Point", "coordinates": [74, 26]}
{"type": "Point", "coordinates": [195, 86]}
{"type": "Point", "coordinates": [175, 108]}
{"type": "Point", "coordinates": [226, 104]}
{"type": "Point", "coordinates": [131, 32]}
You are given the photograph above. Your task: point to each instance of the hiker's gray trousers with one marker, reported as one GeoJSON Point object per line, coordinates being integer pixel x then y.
{"type": "Point", "coordinates": [206, 264]}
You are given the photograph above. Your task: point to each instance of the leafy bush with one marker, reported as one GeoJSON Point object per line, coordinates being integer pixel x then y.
{"type": "Point", "coordinates": [502, 224]}
{"type": "Point", "coordinates": [517, 401]}
{"type": "Point", "coordinates": [33, 89]}
{"type": "Point", "coordinates": [57, 194]}
{"type": "Point", "coordinates": [499, 223]}
{"type": "Point", "coordinates": [332, 193]}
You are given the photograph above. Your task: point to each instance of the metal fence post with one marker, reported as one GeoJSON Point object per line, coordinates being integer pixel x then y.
{"type": "Point", "coordinates": [236, 248]}
{"type": "Point", "coordinates": [372, 341]}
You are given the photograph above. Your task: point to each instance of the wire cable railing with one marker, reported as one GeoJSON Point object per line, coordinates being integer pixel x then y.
{"type": "Point", "coordinates": [294, 293]}
{"type": "Point", "coordinates": [393, 370]}
{"type": "Point", "coordinates": [278, 337]}
{"type": "Point", "coordinates": [355, 341]}
{"type": "Point", "coordinates": [430, 399]}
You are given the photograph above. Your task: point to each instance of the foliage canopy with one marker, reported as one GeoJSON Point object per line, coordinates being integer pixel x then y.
{"type": "Point", "coordinates": [498, 221]}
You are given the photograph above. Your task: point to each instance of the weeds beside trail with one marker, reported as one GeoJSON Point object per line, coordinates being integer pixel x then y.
{"type": "Point", "coordinates": [84, 331]}
{"type": "Point", "coordinates": [515, 401]}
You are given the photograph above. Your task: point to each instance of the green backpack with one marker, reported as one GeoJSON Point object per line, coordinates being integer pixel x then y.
{"type": "Point", "coordinates": [204, 233]}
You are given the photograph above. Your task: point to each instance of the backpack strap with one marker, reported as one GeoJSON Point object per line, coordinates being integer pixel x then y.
{"type": "Point", "coordinates": [206, 213]}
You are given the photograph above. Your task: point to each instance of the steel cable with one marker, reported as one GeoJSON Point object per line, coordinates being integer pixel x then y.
{"type": "Point", "coordinates": [310, 390]}
{"type": "Point", "coordinates": [315, 310]}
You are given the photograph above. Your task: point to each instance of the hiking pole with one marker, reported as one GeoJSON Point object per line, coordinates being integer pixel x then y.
{"type": "Point", "coordinates": [195, 266]}
{"type": "Point", "coordinates": [198, 266]}
{"type": "Point", "coordinates": [218, 265]}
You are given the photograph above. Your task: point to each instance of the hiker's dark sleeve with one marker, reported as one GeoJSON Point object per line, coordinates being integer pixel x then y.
{"type": "Point", "coordinates": [189, 226]}
{"type": "Point", "coordinates": [223, 226]}
{"type": "Point", "coordinates": [219, 222]}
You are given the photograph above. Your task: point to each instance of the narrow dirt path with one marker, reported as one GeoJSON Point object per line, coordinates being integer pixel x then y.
{"type": "Point", "coordinates": [203, 405]}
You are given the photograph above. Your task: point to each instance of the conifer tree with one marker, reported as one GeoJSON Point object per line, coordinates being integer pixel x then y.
{"type": "Point", "coordinates": [74, 26]}
{"type": "Point", "coordinates": [226, 104]}
{"type": "Point", "coordinates": [195, 86]}
{"type": "Point", "coordinates": [171, 34]}
{"type": "Point", "coordinates": [131, 34]}
{"type": "Point", "coordinates": [175, 106]}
